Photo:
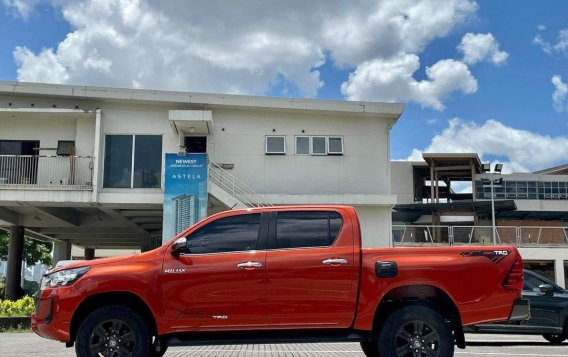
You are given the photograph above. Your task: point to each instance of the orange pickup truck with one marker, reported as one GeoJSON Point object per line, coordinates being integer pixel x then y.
{"type": "Point", "coordinates": [280, 274]}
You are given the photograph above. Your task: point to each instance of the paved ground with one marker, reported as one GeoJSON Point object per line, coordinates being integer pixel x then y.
{"type": "Point", "coordinates": [27, 344]}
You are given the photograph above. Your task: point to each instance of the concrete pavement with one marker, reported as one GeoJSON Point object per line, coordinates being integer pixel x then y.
{"type": "Point", "coordinates": [28, 344]}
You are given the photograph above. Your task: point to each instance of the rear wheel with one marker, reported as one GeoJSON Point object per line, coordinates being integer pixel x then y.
{"type": "Point", "coordinates": [555, 339]}
{"type": "Point", "coordinates": [416, 331]}
{"type": "Point", "coordinates": [113, 331]}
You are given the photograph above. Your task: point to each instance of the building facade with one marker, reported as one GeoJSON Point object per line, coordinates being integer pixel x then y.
{"type": "Point", "coordinates": [84, 166]}
{"type": "Point", "coordinates": [531, 209]}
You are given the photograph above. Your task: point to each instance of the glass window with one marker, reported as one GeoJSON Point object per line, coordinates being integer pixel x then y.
{"type": "Point", "coordinates": [65, 148]}
{"type": "Point", "coordinates": [147, 161]}
{"type": "Point", "coordinates": [531, 283]}
{"type": "Point", "coordinates": [230, 234]}
{"type": "Point", "coordinates": [118, 161]}
{"type": "Point", "coordinates": [275, 145]}
{"type": "Point", "coordinates": [307, 229]}
{"type": "Point", "coordinates": [319, 145]}
{"type": "Point", "coordinates": [302, 145]}
{"type": "Point", "coordinates": [335, 146]}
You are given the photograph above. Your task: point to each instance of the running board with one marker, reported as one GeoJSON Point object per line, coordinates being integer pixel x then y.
{"type": "Point", "coordinates": [263, 337]}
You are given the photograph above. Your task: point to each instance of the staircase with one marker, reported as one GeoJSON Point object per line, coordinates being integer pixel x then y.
{"type": "Point", "coordinates": [231, 191]}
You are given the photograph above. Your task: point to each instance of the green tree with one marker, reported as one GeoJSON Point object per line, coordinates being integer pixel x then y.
{"type": "Point", "coordinates": [34, 251]}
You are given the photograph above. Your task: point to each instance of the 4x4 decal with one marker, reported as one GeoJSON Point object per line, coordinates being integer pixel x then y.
{"type": "Point", "coordinates": [494, 255]}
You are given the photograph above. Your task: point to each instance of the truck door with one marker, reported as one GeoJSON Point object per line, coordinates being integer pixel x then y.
{"type": "Point", "coordinates": [219, 281]}
{"type": "Point", "coordinates": [311, 270]}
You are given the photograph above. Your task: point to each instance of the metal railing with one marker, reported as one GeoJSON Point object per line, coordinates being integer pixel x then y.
{"type": "Point", "coordinates": [236, 188]}
{"type": "Point", "coordinates": [521, 236]}
{"type": "Point", "coordinates": [46, 172]}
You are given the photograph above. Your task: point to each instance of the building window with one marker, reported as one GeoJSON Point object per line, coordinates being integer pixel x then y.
{"type": "Point", "coordinates": [335, 145]}
{"type": "Point", "coordinates": [66, 148]}
{"type": "Point", "coordinates": [275, 145]}
{"type": "Point", "coordinates": [147, 161]}
{"type": "Point", "coordinates": [319, 145]}
{"type": "Point", "coordinates": [302, 145]}
{"type": "Point", "coordinates": [132, 161]}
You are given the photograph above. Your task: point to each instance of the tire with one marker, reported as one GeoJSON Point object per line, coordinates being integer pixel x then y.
{"type": "Point", "coordinates": [160, 345]}
{"type": "Point", "coordinates": [555, 339]}
{"type": "Point", "coordinates": [370, 348]}
{"type": "Point", "coordinates": [414, 331]}
{"type": "Point", "coordinates": [113, 331]}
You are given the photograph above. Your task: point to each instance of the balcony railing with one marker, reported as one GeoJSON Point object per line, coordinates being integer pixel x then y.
{"type": "Point", "coordinates": [46, 172]}
{"type": "Point", "coordinates": [521, 236]}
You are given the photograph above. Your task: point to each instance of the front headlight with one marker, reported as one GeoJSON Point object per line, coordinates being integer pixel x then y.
{"type": "Point", "coordinates": [63, 277]}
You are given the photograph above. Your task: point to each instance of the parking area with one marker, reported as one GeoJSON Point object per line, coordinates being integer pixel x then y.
{"type": "Point", "coordinates": [28, 344]}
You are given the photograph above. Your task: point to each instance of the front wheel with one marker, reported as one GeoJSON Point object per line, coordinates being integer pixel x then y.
{"type": "Point", "coordinates": [370, 348]}
{"type": "Point", "coordinates": [555, 339]}
{"type": "Point", "coordinates": [416, 331]}
{"type": "Point", "coordinates": [113, 331]}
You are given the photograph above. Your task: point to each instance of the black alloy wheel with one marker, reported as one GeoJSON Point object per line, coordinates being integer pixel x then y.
{"type": "Point", "coordinates": [417, 338]}
{"type": "Point", "coordinates": [416, 331]}
{"type": "Point", "coordinates": [112, 338]}
{"type": "Point", "coordinates": [113, 331]}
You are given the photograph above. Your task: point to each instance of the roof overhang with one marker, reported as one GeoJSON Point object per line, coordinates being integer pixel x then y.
{"type": "Point", "coordinates": [191, 122]}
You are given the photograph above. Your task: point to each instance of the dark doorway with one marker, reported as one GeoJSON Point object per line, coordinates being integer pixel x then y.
{"type": "Point", "coordinates": [19, 161]}
{"type": "Point", "coordinates": [196, 144]}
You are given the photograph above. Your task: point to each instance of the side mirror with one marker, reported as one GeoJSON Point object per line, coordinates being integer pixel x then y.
{"type": "Point", "coordinates": [179, 246]}
{"type": "Point", "coordinates": [547, 289]}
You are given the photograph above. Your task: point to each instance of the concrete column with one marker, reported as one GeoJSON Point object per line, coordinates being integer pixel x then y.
{"type": "Point", "coordinates": [15, 257]}
{"type": "Point", "coordinates": [61, 251]}
{"type": "Point", "coordinates": [559, 272]}
{"type": "Point", "coordinates": [89, 253]}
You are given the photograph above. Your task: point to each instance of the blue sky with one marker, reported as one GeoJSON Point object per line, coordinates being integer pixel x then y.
{"type": "Point", "coordinates": [497, 102]}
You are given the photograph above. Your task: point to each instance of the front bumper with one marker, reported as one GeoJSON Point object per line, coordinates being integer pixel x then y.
{"type": "Point", "coordinates": [49, 320]}
{"type": "Point", "coordinates": [521, 311]}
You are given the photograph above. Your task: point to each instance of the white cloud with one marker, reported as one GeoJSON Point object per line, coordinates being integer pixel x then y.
{"type": "Point", "coordinates": [561, 45]}
{"type": "Point", "coordinates": [524, 150]}
{"type": "Point", "coordinates": [480, 47]}
{"type": "Point", "coordinates": [230, 46]}
{"type": "Point", "coordinates": [21, 8]}
{"type": "Point", "coordinates": [559, 95]}
{"type": "Point", "coordinates": [391, 80]}
{"type": "Point", "coordinates": [544, 45]}
{"type": "Point", "coordinates": [541, 27]}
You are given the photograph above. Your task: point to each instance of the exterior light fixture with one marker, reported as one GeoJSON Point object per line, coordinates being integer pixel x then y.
{"type": "Point", "coordinates": [493, 179]}
{"type": "Point", "coordinates": [181, 151]}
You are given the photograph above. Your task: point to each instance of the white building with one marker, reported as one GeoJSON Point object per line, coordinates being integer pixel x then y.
{"type": "Point", "coordinates": [83, 166]}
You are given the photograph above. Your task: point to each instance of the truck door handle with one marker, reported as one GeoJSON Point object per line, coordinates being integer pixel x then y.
{"type": "Point", "coordinates": [335, 261]}
{"type": "Point", "coordinates": [249, 265]}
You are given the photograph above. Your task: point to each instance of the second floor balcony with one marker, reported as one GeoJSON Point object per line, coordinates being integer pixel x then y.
{"type": "Point", "coordinates": [520, 236]}
{"type": "Point", "coordinates": [33, 172]}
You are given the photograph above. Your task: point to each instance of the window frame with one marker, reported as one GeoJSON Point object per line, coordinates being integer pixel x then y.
{"type": "Point", "coordinates": [272, 234]}
{"type": "Point", "coordinates": [266, 137]}
{"type": "Point", "coordinates": [132, 160]}
{"type": "Point", "coordinates": [261, 240]}
{"type": "Point", "coordinates": [59, 145]}
{"type": "Point", "coordinates": [309, 145]}
{"type": "Point", "coordinates": [335, 153]}
{"type": "Point", "coordinates": [312, 145]}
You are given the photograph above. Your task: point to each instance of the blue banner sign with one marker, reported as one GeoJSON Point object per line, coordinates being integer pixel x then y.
{"type": "Point", "coordinates": [185, 192]}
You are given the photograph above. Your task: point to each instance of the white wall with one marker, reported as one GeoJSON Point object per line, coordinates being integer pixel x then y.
{"type": "Point", "coordinates": [376, 228]}
{"type": "Point", "coordinates": [402, 181]}
{"type": "Point", "coordinates": [363, 169]}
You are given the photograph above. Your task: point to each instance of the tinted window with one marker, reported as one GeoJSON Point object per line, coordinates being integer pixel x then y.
{"type": "Point", "coordinates": [237, 233]}
{"type": "Point", "coordinates": [118, 161]}
{"type": "Point", "coordinates": [147, 161]}
{"type": "Point", "coordinates": [532, 283]}
{"type": "Point", "coordinates": [307, 229]}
